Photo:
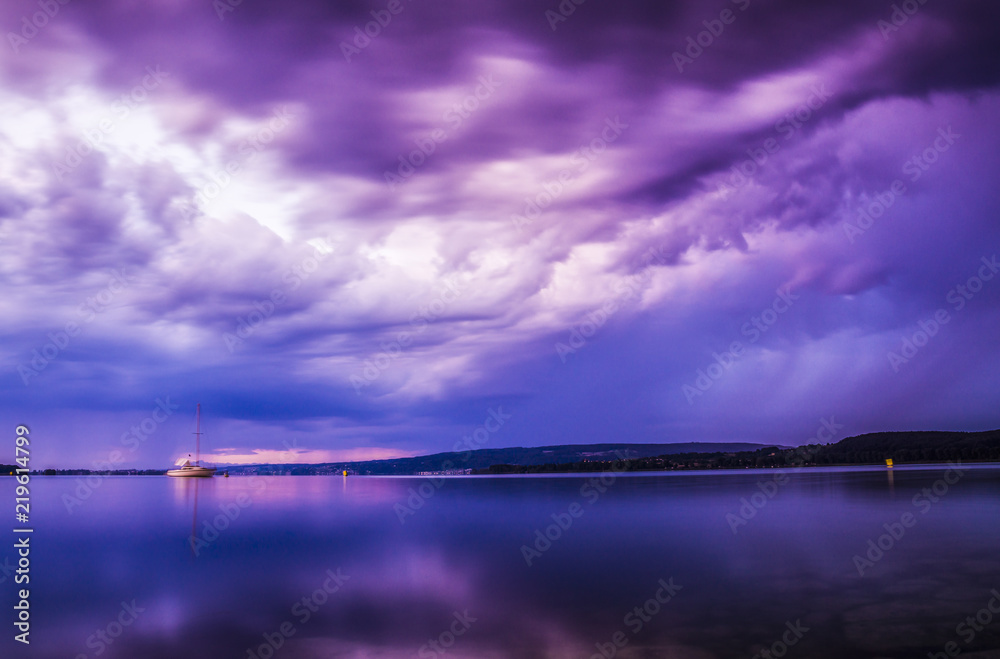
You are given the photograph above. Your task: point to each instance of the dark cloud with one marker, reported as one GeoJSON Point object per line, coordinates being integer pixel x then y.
{"type": "Point", "coordinates": [523, 221]}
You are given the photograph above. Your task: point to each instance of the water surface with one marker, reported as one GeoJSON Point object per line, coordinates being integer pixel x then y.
{"type": "Point", "coordinates": [452, 579]}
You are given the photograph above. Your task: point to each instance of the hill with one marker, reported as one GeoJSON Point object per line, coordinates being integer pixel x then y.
{"type": "Point", "coordinates": [485, 458]}
{"type": "Point", "coordinates": [871, 448]}
{"type": "Point", "coordinates": [915, 446]}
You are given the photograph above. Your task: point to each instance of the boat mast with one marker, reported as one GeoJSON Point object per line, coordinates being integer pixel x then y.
{"type": "Point", "coordinates": [197, 434]}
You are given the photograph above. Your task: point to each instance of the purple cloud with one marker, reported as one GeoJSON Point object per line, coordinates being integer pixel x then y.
{"type": "Point", "coordinates": [365, 252]}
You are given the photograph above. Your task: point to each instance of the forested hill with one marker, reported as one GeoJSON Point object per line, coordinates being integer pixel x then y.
{"type": "Point", "coordinates": [924, 446]}
{"type": "Point", "coordinates": [872, 448]}
{"type": "Point", "coordinates": [484, 457]}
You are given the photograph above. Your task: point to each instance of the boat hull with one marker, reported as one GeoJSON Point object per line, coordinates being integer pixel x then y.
{"type": "Point", "coordinates": [192, 472]}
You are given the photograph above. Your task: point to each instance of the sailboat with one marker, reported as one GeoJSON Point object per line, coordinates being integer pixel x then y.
{"type": "Point", "coordinates": [193, 469]}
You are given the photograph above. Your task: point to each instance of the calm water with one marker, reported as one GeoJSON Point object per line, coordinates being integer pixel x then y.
{"type": "Point", "coordinates": [454, 573]}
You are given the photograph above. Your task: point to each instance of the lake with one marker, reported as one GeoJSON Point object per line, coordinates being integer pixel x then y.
{"type": "Point", "coordinates": [826, 562]}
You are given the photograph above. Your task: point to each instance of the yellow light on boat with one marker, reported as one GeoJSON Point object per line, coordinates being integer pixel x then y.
{"type": "Point", "coordinates": [888, 463]}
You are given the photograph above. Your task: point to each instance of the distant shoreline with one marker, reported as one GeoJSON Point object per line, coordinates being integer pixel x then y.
{"type": "Point", "coordinates": [904, 448]}
{"type": "Point", "coordinates": [78, 472]}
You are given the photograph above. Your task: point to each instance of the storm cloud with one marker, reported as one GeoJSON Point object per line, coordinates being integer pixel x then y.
{"type": "Point", "coordinates": [349, 229]}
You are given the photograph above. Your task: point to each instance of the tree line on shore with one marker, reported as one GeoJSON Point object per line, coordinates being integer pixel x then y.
{"type": "Point", "coordinates": [872, 448]}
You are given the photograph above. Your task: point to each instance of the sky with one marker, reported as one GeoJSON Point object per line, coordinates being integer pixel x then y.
{"type": "Point", "coordinates": [360, 230]}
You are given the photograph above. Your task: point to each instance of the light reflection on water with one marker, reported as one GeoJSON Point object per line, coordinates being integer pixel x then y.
{"type": "Point", "coordinates": [280, 538]}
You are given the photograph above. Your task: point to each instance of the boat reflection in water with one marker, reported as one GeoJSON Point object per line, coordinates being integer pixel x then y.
{"type": "Point", "coordinates": [186, 494]}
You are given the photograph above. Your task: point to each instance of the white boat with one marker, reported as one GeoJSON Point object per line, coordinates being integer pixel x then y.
{"type": "Point", "coordinates": [187, 468]}
{"type": "Point", "coordinates": [193, 469]}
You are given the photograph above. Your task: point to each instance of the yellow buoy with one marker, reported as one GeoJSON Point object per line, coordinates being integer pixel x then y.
{"type": "Point", "coordinates": [345, 472]}
{"type": "Point", "coordinates": [888, 463]}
